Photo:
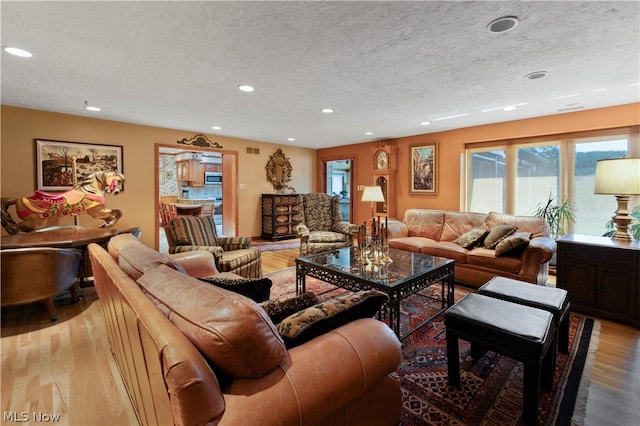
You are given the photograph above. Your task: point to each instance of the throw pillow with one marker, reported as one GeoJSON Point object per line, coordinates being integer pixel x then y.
{"type": "Point", "coordinates": [279, 309]}
{"type": "Point", "coordinates": [497, 234]}
{"type": "Point", "coordinates": [514, 244]}
{"type": "Point", "coordinates": [232, 331]}
{"type": "Point", "coordinates": [471, 238]}
{"type": "Point", "coordinates": [256, 289]}
{"type": "Point", "coordinates": [316, 320]}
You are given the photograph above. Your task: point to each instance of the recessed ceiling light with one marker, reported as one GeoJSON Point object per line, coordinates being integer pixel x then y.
{"type": "Point", "coordinates": [503, 24]}
{"type": "Point", "coordinates": [368, 133]}
{"type": "Point", "coordinates": [216, 127]}
{"type": "Point", "coordinates": [18, 52]}
{"type": "Point", "coordinates": [634, 84]}
{"type": "Point", "coordinates": [563, 97]}
{"type": "Point", "coordinates": [505, 107]}
{"type": "Point", "coordinates": [425, 123]}
{"type": "Point", "coordinates": [599, 90]}
{"type": "Point", "coordinates": [327, 110]}
{"type": "Point", "coordinates": [535, 75]}
{"type": "Point", "coordinates": [291, 139]}
{"type": "Point", "coordinates": [90, 108]}
{"type": "Point", "coordinates": [245, 88]}
{"type": "Point", "coordinates": [450, 116]}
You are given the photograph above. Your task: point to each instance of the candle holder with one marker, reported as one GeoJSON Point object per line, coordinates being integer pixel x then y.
{"type": "Point", "coordinates": [375, 253]}
{"type": "Point", "coordinates": [384, 254]}
{"type": "Point", "coordinates": [373, 247]}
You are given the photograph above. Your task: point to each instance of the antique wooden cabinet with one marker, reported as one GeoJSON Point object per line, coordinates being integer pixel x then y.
{"type": "Point", "coordinates": [280, 216]}
{"type": "Point", "coordinates": [602, 276]}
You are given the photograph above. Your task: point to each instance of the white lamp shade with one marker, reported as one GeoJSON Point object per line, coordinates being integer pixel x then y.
{"type": "Point", "coordinates": [373, 194]}
{"type": "Point", "coordinates": [620, 176]}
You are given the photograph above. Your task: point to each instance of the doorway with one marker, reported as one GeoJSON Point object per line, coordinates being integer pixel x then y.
{"type": "Point", "coordinates": [171, 166]}
{"type": "Point", "coordinates": [339, 182]}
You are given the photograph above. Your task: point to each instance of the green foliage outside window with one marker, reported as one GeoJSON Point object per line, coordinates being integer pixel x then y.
{"type": "Point", "coordinates": [634, 228]}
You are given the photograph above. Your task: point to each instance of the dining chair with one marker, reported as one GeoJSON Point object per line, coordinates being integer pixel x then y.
{"type": "Point", "coordinates": [207, 210]}
{"type": "Point", "coordinates": [168, 211]}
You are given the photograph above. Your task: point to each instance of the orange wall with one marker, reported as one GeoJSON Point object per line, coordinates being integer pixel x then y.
{"type": "Point", "coordinates": [451, 153]}
{"type": "Point", "coordinates": [21, 126]}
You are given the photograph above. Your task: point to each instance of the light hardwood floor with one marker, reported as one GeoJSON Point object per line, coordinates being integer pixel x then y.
{"type": "Point", "coordinates": [65, 368]}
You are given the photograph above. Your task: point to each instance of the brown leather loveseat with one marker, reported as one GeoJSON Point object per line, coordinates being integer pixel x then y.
{"type": "Point", "coordinates": [436, 232]}
{"type": "Point", "coordinates": [248, 377]}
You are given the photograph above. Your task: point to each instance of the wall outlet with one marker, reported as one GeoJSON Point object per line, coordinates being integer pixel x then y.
{"type": "Point", "coordinates": [243, 186]}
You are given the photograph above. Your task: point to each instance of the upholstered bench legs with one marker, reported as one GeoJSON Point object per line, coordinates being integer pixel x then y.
{"type": "Point", "coordinates": [550, 299]}
{"type": "Point", "coordinates": [520, 332]}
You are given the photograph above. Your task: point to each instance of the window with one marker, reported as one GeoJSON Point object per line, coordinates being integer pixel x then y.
{"type": "Point", "coordinates": [515, 176]}
{"type": "Point", "coordinates": [593, 210]}
{"type": "Point", "coordinates": [538, 176]}
{"type": "Point", "coordinates": [487, 183]}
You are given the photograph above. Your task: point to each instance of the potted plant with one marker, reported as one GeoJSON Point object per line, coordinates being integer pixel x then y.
{"type": "Point", "coordinates": [556, 215]}
{"type": "Point", "coordinates": [634, 227]}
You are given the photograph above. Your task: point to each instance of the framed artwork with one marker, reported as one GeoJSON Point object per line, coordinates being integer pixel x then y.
{"type": "Point", "coordinates": [55, 162]}
{"type": "Point", "coordinates": [423, 169]}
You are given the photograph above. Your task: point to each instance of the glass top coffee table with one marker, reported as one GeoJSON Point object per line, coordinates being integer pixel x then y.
{"type": "Point", "coordinates": [407, 274]}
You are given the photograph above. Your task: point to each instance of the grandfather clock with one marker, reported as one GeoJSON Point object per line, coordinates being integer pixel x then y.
{"type": "Point", "coordinates": [385, 168]}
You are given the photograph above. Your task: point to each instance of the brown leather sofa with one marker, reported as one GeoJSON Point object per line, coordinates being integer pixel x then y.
{"type": "Point", "coordinates": [342, 377]}
{"type": "Point", "coordinates": [433, 232]}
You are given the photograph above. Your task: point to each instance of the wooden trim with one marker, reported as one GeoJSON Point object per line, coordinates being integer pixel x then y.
{"type": "Point", "coordinates": [552, 137]}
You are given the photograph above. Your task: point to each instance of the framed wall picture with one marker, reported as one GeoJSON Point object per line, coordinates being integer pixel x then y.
{"type": "Point", "coordinates": [54, 162]}
{"type": "Point", "coordinates": [423, 169]}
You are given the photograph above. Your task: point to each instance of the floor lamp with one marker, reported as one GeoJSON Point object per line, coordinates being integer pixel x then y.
{"type": "Point", "coordinates": [372, 194]}
{"type": "Point", "coordinates": [619, 177]}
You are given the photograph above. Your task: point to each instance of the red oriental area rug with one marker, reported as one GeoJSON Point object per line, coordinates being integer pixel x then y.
{"type": "Point", "coordinates": [491, 391]}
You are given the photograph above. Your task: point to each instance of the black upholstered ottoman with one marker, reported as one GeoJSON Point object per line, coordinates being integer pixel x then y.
{"type": "Point", "coordinates": [551, 299]}
{"type": "Point", "coordinates": [520, 332]}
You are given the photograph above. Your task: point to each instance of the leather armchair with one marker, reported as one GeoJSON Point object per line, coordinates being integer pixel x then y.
{"type": "Point", "coordinates": [321, 228]}
{"type": "Point", "coordinates": [35, 274]}
{"type": "Point", "coordinates": [232, 254]}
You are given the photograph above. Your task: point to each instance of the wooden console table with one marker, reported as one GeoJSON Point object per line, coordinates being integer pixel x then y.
{"type": "Point", "coordinates": [602, 276]}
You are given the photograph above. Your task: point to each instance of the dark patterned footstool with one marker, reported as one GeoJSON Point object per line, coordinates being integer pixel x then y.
{"type": "Point", "coordinates": [520, 332]}
{"type": "Point", "coordinates": [551, 299]}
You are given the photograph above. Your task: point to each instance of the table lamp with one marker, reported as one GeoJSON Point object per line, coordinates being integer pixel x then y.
{"type": "Point", "coordinates": [372, 194]}
{"type": "Point", "coordinates": [619, 177]}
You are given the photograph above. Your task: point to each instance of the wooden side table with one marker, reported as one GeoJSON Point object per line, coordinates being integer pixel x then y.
{"type": "Point", "coordinates": [602, 276]}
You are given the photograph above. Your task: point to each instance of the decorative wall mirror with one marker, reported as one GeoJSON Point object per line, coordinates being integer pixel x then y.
{"type": "Point", "coordinates": [279, 172]}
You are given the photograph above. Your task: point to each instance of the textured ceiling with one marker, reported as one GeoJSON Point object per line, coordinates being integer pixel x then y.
{"type": "Point", "coordinates": [384, 66]}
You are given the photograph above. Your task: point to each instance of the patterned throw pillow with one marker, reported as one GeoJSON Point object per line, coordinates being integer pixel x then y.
{"type": "Point", "coordinates": [513, 245]}
{"type": "Point", "coordinates": [472, 238]}
{"type": "Point", "coordinates": [497, 234]}
{"type": "Point", "coordinates": [316, 320]}
{"type": "Point", "coordinates": [256, 289]}
{"type": "Point", "coordinates": [279, 309]}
